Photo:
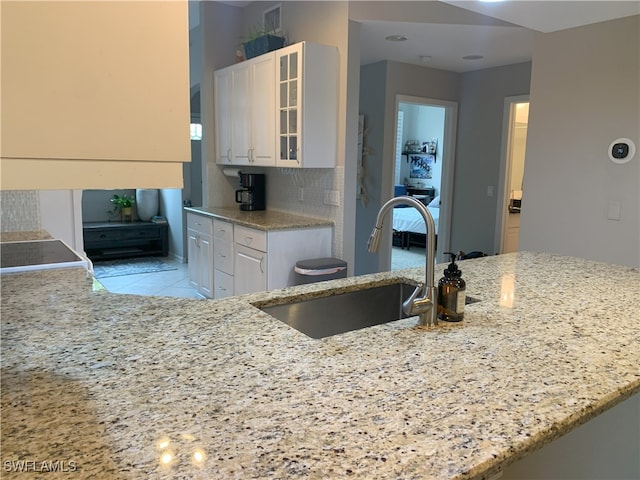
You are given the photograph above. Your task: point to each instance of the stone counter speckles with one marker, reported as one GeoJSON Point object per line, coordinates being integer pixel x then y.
{"type": "Point", "coordinates": [24, 236]}
{"type": "Point", "coordinates": [261, 219]}
{"type": "Point", "coordinates": [131, 387]}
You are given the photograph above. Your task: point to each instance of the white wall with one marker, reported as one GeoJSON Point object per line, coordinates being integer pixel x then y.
{"type": "Point", "coordinates": [61, 216]}
{"type": "Point", "coordinates": [580, 103]}
{"type": "Point", "coordinates": [171, 207]}
{"type": "Point", "coordinates": [423, 123]}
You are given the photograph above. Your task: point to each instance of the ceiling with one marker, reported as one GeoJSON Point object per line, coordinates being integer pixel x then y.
{"type": "Point", "coordinates": [443, 45]}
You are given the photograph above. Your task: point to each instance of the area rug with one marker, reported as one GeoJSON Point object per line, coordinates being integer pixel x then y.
{"type": "Point", "coordinates": [130, 266]}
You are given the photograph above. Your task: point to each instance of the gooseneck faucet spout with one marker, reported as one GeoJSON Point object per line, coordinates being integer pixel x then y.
{"type": "Point", "coordinates": [426, 307]}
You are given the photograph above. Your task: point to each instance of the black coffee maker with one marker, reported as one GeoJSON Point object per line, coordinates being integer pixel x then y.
{"type": "Point", "coordinates": [253, 192]}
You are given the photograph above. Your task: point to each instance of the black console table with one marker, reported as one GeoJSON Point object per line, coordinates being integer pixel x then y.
{"type": "Point", "coordinates": [108, 240]}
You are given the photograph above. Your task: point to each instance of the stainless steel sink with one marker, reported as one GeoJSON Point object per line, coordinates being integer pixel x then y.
{"type": "Point", "coordinates": [330, 315]}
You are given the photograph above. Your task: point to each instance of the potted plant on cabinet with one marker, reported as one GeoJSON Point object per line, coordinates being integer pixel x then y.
{"type": "Point", "coordinates": [261, 40]}
{"type": "Point", "coordinates": [124, 205]}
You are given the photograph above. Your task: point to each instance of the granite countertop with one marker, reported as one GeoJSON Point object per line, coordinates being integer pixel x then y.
{"type": "Point", "coordinates": [261, 219]}
{"type": "Point", "coordinates": [25, 236]}
{"type": "Point", "coordinates": [130, 387]}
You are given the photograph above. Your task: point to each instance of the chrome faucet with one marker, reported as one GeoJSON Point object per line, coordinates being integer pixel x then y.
{"type": "Point", "coordinates": [426, 307]}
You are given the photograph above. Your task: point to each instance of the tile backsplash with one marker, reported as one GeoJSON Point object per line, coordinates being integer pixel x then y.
{"type": "Point", "coordinates": [283, 193]}
{"type": "Point", "coordinates": [20, 210]}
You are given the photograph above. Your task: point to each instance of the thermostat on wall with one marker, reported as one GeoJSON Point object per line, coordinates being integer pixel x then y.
{"type": "Point", "coordinates": [622, 150]}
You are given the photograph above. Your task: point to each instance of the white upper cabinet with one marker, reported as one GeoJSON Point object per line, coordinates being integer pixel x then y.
{"type": "Point", "coordinates": [279, 109]}
{"type": "Point", "coordinates": [244, 96]}
{"type": "Point", "coordinates": [222, 108]}
{"type": "Point", "coordinates": [94, 94]}
{"type": "Point", "coordinates": [307, 100]}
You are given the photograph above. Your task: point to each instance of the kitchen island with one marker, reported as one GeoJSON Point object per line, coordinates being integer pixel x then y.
{"type": "Point", "coordinates": [127, 387]}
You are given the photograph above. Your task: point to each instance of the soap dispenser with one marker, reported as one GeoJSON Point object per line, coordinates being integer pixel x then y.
{"type": "Point", "coordinates": [451, 293]}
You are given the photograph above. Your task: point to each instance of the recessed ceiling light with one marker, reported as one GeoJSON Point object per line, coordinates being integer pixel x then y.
{"type": "Point", "coordinates": [473, 57]}
{"type": "Point", "coordinates": [425, 58]}
{"type": "Point", "coordinates": [396, 38]}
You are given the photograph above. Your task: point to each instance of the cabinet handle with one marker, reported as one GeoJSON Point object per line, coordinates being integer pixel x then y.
{"type": "Point", "coordinates": [261, 260]}
{"type": "Point", "coordinates": [229, 155]}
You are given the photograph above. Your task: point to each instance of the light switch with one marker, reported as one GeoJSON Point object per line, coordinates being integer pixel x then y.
{"type": "Point", "coordinates": [490, 191]}
{"type": "Point", "coordinates": [332, 197]}
{"type": "Point", "coordinates": [614, 210]}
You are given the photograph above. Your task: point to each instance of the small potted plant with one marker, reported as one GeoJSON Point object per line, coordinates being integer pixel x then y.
{"type": "Point", "coordinates": [123, 204]}
{"type": "Point", "coordinates": [261, 40]}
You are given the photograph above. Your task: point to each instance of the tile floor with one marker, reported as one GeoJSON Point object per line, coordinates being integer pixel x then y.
{"type": "Point", "coordinates": [414, 257]}
{"type": "Point", "coordinates": [173, 283]}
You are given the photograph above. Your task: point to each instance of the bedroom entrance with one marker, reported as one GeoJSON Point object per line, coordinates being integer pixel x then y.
{"type": "Point", "coordinates": [516, 121]}
{"type": "Point", "coordinates": [423, 168]}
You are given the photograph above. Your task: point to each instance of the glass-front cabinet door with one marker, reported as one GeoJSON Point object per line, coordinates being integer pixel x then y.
{"type": "Point", "coordinates": [307, 105]}
{"type": "Point", "coordinates": [289, 89]}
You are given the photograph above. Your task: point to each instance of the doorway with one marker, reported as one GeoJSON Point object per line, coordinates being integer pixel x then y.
{"type": "Point", "coordinates": [423, 168]}
{"type": "Point", "coordinates": [516, 122]}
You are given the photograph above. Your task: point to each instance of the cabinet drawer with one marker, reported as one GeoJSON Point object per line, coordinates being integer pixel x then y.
{"type": "Point", "coordinates": [223, 284]}
{"type": "Point", "coordinates": [106, 235]}
{"type": "Point", "coordinates": [249, 237]}
{"type": "Point", "coordinates": [223, 231]}
{"type": "Point", "coordinates": [223, 252]}
{"type": "Point", "coordinates": [200, 223]}
{"type": "Point", "coordinates": [146, 232]}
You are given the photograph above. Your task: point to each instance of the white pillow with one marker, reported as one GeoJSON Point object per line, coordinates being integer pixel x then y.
{"type": "Point", "coordinates": [435, 203]}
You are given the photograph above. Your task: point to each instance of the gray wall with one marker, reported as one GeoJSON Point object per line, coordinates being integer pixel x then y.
{"type": "Point", "coordinates": [478, 150]}
{"type": "Point", "coordinates": [373, 86]}
{"type": "Point", "coordinates": [481, 101]}
{"type": "Point", "coordinates": [585, 93]}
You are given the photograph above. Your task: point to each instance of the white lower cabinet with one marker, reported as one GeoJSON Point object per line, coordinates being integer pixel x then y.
{"type": "Point", "coordinates": [222, 284]}
{"type": "Point", "coordinates": [228, 259]}
{"type": "Point", "coordinates": [200, 254]}
{"type": "Point", "coordinates": [264, 260]}
{"type": "Point", "coordinates": [251, 270]}
{"type": "Point", "coordinates": [223, 259]}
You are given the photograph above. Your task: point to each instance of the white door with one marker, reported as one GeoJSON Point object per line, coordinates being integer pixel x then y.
{"type": "Point", "coordinates": [205, 265]}
{"type": "Point", "coordinates": [223, 91]}
{"type": "Point", "coordinates": [241, 131]}
{"type": "Point", "coordinates": [514, 133]}
{"type": "Point", "coordinates": [194, 259]}
{"type": "Point", "coordinates": [263, 148]}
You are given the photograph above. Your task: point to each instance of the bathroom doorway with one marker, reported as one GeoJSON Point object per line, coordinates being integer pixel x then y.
{"type": "Point", "coordinates": [514, 143]}
{"type": "Point", "coordinates": [423, 168]}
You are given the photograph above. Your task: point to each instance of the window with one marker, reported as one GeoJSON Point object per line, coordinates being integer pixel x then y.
{"type": "Point", "coordinates": [196, 131]}
{"type": "Point", "coordinates": [272, 20]}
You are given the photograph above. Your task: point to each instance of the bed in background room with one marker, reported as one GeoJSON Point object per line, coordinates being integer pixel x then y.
{"type": "Point", "coordinates": [409, 227]}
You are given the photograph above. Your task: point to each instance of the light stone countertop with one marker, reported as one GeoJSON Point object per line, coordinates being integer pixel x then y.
{"type": "Point", "coordinates": [121, 384]}
{"type": "Point", "coordinates": [261, 219]}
